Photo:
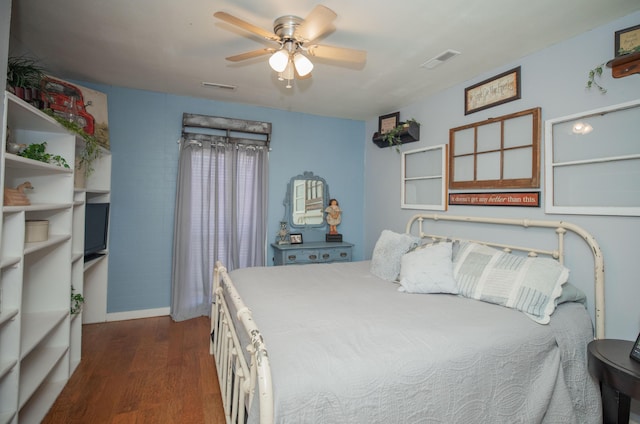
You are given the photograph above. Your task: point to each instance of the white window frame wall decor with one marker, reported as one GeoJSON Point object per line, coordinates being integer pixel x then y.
{"type": "Point", "coordinates": [592, 162]}
{"type": "Point", "coordinates": [421, 176]}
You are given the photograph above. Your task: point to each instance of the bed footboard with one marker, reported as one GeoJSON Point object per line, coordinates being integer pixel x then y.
{"type": "Point", "coordinates": [237, 378]}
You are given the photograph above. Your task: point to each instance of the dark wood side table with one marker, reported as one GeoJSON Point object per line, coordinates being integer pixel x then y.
{"type": "Point", "coordinates": [619, 377]}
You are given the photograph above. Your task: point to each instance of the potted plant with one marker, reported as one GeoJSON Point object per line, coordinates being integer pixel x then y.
{"type": "Point", "coordinates": [37, 151]}
{"type": "Point", "coordinates": [76, 302]}
{"type": "Point", "coordinates": [23, 78]}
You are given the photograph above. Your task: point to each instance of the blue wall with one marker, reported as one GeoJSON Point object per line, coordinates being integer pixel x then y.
{"type": "Point", "coordinates": [553, 79]}
{"type": "Point", "coordinates": [144, 129]}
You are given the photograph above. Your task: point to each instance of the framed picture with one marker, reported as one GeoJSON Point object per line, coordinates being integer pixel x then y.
{"type": "Point", "coordinates": [627, 40]}
{"type": "Point", "coordinates": [388, 122]}
{"type": "Point", "coordinates": [296, 238]}
{"type": "Point", "coordinates": [491, 92]}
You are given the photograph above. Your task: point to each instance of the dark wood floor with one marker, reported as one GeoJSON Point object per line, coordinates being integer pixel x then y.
{"type": "Point", "coordinates": [150, 370]}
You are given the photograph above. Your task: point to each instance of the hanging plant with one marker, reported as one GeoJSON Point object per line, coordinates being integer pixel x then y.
{"type": "Point", "coordinates": [91, 150]}
{"type": "Point", "coordinates": [593, 74]}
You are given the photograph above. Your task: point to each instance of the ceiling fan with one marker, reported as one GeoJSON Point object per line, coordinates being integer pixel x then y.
{"type": "Point", "coordinates": [295, 37]}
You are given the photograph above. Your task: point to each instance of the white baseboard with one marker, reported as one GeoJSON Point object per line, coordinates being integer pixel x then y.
{"type": "Point", "coordinates": [142, 313]}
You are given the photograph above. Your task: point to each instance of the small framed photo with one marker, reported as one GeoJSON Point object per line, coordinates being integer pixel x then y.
{"type": "Point", "coordinates": [635, 351]}
{"type": "Point", "coordinates": [627, 40]}
{"type": "Point", "coordinates": [296, 238]}
{"type": "Point", "coordinates": [388, 122]}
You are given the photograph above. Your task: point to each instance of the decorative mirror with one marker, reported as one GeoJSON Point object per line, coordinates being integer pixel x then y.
{"type": "Point", "coordinates": [307, 196]}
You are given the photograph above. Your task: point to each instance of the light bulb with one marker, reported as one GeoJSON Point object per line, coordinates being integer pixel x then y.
{"type": "Point", "coordinates": [279, 60]}
{"type": "Point", "coordinates": [287, 73]}
{"type": "Point", "coordinates": [303, 64]}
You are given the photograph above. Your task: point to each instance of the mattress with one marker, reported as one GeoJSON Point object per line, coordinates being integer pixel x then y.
{"type": "Point", "coordinates": [347, 347]}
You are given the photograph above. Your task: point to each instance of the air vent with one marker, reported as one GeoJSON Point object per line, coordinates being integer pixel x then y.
{"type": "Point", "coordinates": [216, 85]}
{"type": "Point", "coordinates": [441, 58]}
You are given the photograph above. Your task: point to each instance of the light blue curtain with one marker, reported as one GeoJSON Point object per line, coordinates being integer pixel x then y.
{"type": "Point", "coordinates": [221, 207]}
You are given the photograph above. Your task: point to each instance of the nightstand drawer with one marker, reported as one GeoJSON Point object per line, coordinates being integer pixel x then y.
{"type": "Point", "coordinates": [336, 255]}
{"type": "Point", "coordinates": [301, 256]}
{"type": "Point", "coordinates": [310, 253]}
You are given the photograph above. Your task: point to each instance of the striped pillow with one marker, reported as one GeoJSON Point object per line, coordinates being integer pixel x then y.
{"type": "Point", "coordinates": [530, 285]}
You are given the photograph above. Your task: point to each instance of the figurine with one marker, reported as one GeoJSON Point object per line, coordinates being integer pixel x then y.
{"type": "Point", "coordinates": [283, 233]}
{"type": "Point", "coordinates": [16, 196]}
{"type": "Point", "coordinates": [333, 216]}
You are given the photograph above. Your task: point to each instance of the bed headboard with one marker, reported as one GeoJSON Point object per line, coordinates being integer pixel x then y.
{"type": "Point", "coordinates": [557, 252]}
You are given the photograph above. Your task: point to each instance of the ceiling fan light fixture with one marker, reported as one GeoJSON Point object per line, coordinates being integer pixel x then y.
{"type": "Point", "coordinates": [303, 64]}
{"type": "Point", "coordinates": [279, 60]}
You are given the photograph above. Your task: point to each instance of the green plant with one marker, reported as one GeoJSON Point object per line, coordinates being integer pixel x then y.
{"type": "Point", "coordinates": [593, 74]}
{"type": "Point", "coordinates": [76, 302]}
{"type": "Point", "coordinates": [24, 72]}
{"type": "Point", "coordinates": [91, 150]}
{"type": "Point", "coordinates": [596, 72]}
{"type": "Point", "coordinates": [37, 151]}
{"type": "Point", "coordinates": [393, 135]}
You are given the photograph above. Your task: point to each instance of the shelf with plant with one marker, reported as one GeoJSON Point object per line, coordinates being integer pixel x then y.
{"type": "Point", "coordinates": [404, 132]}
{"type": "Point", "coordinates": [596, 73]}
{"type": "Point", "coordinates": [38, 151]}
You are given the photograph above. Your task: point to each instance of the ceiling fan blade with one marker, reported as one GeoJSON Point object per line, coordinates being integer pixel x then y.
{"type": "Point", "coordinates": [246, 26]}
{"type": "Point", "coordinates": [250, 55]}
{"type": "Point", "coordinates": [317, 23]}
{"type": "Point", "coordinates": [337, 53]}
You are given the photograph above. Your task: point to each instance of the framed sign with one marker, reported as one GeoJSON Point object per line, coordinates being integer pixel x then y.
{"type": "Point", "coordinates": [494, 91]}
{"type": "Point", "coordinates": [388, 122]}
{"type": "Point", "coordinates": [514, 198]}
{"type": "Point", "coordinates": [627, 40]}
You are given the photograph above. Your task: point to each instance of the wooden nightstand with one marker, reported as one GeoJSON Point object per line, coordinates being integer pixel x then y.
{"type": "Point", "coordinates": [619, 377]}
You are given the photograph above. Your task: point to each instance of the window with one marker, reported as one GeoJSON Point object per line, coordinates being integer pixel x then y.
{"type": "Point", "coordinates": [424, 178]}
{"type": "Point", "coordinates": [592, 162]}
{"type": "Point", "coordinates": [501, 152]}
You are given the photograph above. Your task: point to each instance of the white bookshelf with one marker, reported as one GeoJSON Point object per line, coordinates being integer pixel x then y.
{"type": "Point", "coordinates": [40, 340]}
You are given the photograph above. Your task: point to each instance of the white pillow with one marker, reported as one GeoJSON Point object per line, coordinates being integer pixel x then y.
{"type": "Point", "coordinates": [428, 270]}
{"type": "Point", "coordinates": [385, 260]}
{"type": "Point", "coordinates": [530, 285]}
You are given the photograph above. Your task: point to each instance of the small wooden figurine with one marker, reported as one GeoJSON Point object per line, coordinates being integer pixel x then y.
{"type": "Point", "coordinates": [16, 196]}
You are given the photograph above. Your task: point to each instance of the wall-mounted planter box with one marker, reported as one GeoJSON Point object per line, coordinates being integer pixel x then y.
{"type": "Point", "coordinates": [408, 135]}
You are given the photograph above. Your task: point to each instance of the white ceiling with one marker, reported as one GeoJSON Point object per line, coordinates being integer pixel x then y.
{"type": "Point", "coordinates": [173, 46]}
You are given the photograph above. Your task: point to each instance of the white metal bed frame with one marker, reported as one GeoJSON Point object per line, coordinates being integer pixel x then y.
{"type": "Point", "coordinates": [238, 379]}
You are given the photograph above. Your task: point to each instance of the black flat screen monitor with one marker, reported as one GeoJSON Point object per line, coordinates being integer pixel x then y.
{"type": "Point", "coordinates": [96, 228]}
